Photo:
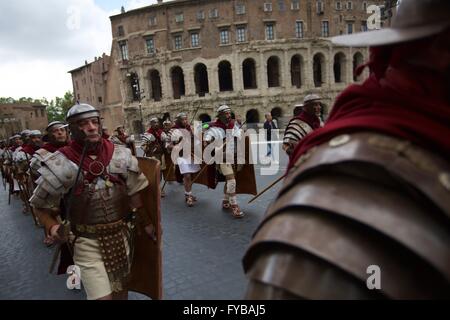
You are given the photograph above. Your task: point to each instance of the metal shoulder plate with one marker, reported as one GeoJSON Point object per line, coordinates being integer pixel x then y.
{"type": "Point", "coordinates": [296, 130]}
{"type": "Point", "coordinates": [358, 200]}
{"type": "Point", "coordinates": [123, 161]}
{"type": "Point", "coordinates": [37, 159]}
{"type": "Point", "coordinates": [58, 172]}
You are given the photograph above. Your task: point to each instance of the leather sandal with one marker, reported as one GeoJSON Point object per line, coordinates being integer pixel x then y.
{"type": "Point", "coordinates": [189, 201]}
{"type": "Point", "coordinates": [236, 211]}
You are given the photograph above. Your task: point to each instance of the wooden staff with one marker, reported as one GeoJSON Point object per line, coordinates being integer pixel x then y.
{"type": "Point", "coordinates": [267, 188]}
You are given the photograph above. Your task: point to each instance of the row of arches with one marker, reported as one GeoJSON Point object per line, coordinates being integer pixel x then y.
{"type": "Point", "coordinates": [249, 74]}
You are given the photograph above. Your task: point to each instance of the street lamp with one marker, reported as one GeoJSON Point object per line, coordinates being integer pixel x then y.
{"type": "Point", "coordinates": [140, 96]}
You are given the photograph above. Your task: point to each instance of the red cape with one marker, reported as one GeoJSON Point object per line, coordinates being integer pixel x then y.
{"type": "Point", "coordinates": [103, 151]}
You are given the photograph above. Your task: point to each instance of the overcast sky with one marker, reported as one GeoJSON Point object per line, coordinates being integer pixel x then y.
{"type": "Point", "coordinates": [40, 41]}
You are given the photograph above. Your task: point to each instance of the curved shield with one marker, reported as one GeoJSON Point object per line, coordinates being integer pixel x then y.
{"type": "Point", "coordinates": [146, 270]}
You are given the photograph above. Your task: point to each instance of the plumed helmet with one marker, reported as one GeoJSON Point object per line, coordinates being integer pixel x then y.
{"type": "Point", "coordinates": [414, 20]}
{"type": "Point", "coordinates": [81, 111]}
{"type": "Point", "coordinates": [154, 120]}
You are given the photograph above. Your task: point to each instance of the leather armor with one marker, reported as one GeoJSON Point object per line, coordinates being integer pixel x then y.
{"type": "Point", "coordinates": [358, 200]}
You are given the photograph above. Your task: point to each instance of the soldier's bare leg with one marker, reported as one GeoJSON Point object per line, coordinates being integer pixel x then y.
{"type": "Point", "coordinates": [187, 180]}
{"type": "Point", "coordinates": [231, 192]}
{"type": "Point", "coordinates": [226, 198]}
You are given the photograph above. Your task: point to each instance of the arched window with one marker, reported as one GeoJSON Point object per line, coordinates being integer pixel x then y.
{"type": "Point", "coordinates": [276, 112]}
{"type": "Point", "coordinates": [319, 69]}
{"type": "Point", "coordinates": [296, 70]}
{"type": "Point", "coordinates": [204, 117]}
{"type": "Point", "coordinates": [252, 118]}
{"type": "Point", "coordinates": [358, 60]}
{"type": "Point", "coordinates": [225, 76]}
{"type": "Point", "coordinates": [273, 72]}
{"type": "Point", "coordinates": [177, 82]}
{"type": "Point", "coordinates": [155, 85]}
{"type": "Point", "coordinates": [249, 74]}
{"type": "Point", "coordinates": [201, 79]}
{"type": "Point", "coordinates": [339, 68]}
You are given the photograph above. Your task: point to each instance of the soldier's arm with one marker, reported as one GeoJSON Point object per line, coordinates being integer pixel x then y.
{"type": "Point", "coordinates": [47, 218]}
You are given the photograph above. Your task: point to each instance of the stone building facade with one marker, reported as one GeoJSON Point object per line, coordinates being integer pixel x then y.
{"type": "Point", "coordinates": [257, 56]}
{"type": "Point", "coordinates": [15, 117]}
{"type": "Point", "coordinates": [90, 82]}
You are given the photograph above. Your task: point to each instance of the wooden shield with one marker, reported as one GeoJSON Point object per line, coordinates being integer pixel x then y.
{"type": "Point", "coordinates": [169, 172]}
{"type": "Point", "coordinates": [146, 270]}
{"type": "Point", "coordinates": [245, 178]}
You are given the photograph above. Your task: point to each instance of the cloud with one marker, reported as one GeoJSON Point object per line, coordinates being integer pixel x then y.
{"type": "Point", "coordinates": [45, 39]}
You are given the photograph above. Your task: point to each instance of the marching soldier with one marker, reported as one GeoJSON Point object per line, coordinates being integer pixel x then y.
{"type": "Point", "coordinates": [121, 138]}
{"type": "Point", "coordinates": [167, 125]}
{"type": "Point", "coordinates": [57, 137]}
{"type": "Point", "coordinates": [154, 144]}
{"type": "Point", "coordinates": [227, 129]}
{"type": "Point", "coordinates": [3, 150]}
{"type": "Point", "coordinates": [21, 161]}
{"type": "Point", "coordinates": [100, 185]}
{"type": "Point", "coordinates": [180, 133]}
{"type": "Point", "coordinates": [303, 124]}
{"type": "Point", "coordinates": [364, 211]}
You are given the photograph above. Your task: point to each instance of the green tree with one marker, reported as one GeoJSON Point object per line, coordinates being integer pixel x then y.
{"type": "Point", "coordinates": [57, 109]}
{"type": "Point", "coordinates": [4, 100]}
{"type": "Point", "coordinates": [54, 112]}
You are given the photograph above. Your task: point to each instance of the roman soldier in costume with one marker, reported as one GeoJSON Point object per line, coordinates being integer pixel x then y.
{"type": "Point", "coordinates": [155, 139]}
{"type": "Point", "coordinates": [226, 129]}
{"type": "Point", "coordinates": [181, 132]}
{"type": "Point", "coordinates": [121, 138]}
{"type": "Point", "coordinates": [57, 136]}
{"type": "Point", "coordinates": [167, 125]}
{"type": "Point", "coordinates": [154, 144]}
{"type": "Point", "coordinates": [14, 142]}
{"type": "Point", "coordinates": [2, 159]}
{"type": "Point", "coordinates": [365, 204]}
{"type": "Point", "coordinates": [302, 124]}
{"type": "Point", "coordinates": [99, 183]}
{"type": "Point", "coordinates": [22, 157]}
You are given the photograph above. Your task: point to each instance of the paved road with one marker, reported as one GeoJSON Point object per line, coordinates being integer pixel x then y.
{"type": "Point", "coordinates": [202, 247]}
